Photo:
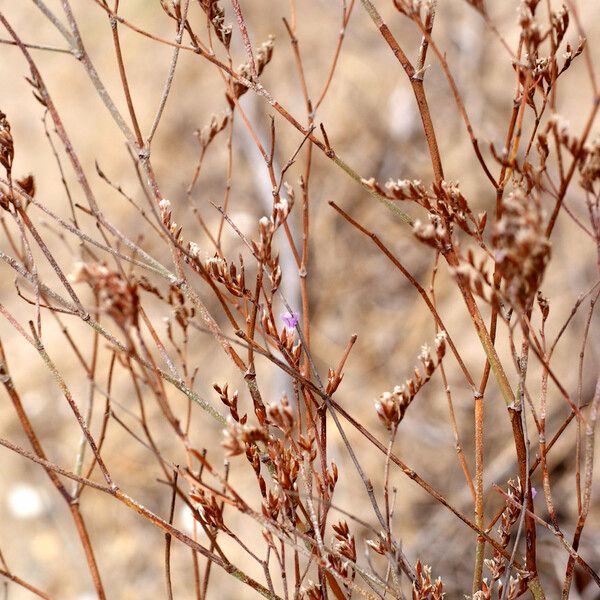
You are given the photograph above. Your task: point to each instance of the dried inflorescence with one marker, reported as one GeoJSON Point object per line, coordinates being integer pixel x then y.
{"type": "Point", "coordinates": [209, 508]}
{"type": "Point", "coordinates": [216, 15]}
{"type": "Point", "coordinates": [280, 414]}
{"type": "Point", "coordinates": [532, 31]}
{"type": "Point", "coordinates": [27, 184]}
{"type": "Point", "coordinates": [433, 233]}
{"type": "Point", "coordinates": [261, 59]}
{"type": "Point", "coordinates": [414, 8]}
{"type": "Point", "coordinates": [380, 545]}
{"type": "Point", "coordinates": [497, 564]}
{"type": "Point", "coordinates": [345, 542]}
{"type": "Point", "coordinates": [445, 204]}
{"type": "Point", "coordinates": [172, 8]}
{"type": "Point", "coordinates": [242, 438]}
{"type": "Point", "coordinates": [423, 587]}
{"type": "Point", "coordinates": [476, 272]}
{"type": "Point", "coordinates": [182, 313]}
{"type": "Point", "coordinates": [239, 435]}
{"type": "Point", "coordinates": [166, 215]}
{"type": "Point", "coordinates": [7, 148]}
{"type": "Point", "coordinates": [231, 402]}
{"type": "Point", "coordinates": [227, 274]}
{"type": "Point", "coordinates": [391, 406]}
{"type": "Point", "coordinates": [286, 339]}
{"type": "Point", "coordinates": [589, 166]}
{"type": "Point", "coordinates": [311, 591]}
{"type": "Point", "coordinates": [288, 446]}
{"type": "Point", "coordinates": [404, 189]}
{"type": "Point", "coordinates": [537, 71]}
{"type": "Point", "coordinates": [521, 247]}
{"type": "Point", "coordinates": [487, 591]}
{"type": "Point", "coordinates": [208, 133]}
{"type": "Point", "coordinates": [118, 298]}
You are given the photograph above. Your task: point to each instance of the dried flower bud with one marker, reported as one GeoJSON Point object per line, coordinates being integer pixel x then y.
{"type": "Point", "coordinates": [7, 149]}
{"type": "Point", "coordinates": [388, 410]}
{"type": "Point", "coordinates": [544, 305]}
{"type": "Point", "coordinates": [424, 232]}
{"type": "Point", "coordinates": [281, 414]}
{"type": "Point", "coordinates": [216, 125]}
{"type": "Point", "coordinates": [589, 166]}
{"type": "Point", "coordinates": [261, 60]}
{"type": "Point", "coordinates": [194, 249]}
{"type": "Point", "coordinates": [238, 436]}
{"type": "Point", "coordinates": [423, 587]}
{"type": "Point", "coordinates": [391, 406]}
{"type": "Point", "coordinates": [119, 298]}
{"type": "Point", "coordinates": [311, 591]}
{"type": "Point", "coordinates": [406, 189]}
{"type": "Point", "coordinates": [289, 191]}
{"type": "Point", "coordinates": [27, 184]}
{"type": "Point", "coordinates": [216, 16]}
{"type": "Point", "coordinates": [440, 345]}
{"type": "Point", "coordinates": [378, 546]}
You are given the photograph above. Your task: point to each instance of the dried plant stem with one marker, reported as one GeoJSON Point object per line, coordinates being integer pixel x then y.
{"type": "Point", "coordinates": [72, 503]}
{"type": "Point", "coordinates": [262, 92]}
{"type": "Point", "coordinates": [125, 84]}
{"type": "Point", "coordinates": [457, 98]}
{"type": "Point", "coordinates": [479, 402]}
{"type": "Point", "coordinates": [237, 9]}
{"type": "Point", "coordinates": [168, 538]}
{"type": "Point", "coordinates": [413, 282]}
{"type": "Point", "coordinates": [178, 383]}
{"type": "Point", "coordinates": [346, 14]}
{"type": "Point", "coordinates": [572, 552]}
{"type": "Point", "coordinates": [417, 86]}
{"type": "Point", "coordinates": [482, 332]}
{"type": "Point", "coordinates": [157, 521]}
{"type": "Point", "coordinates": [85, 185]}
{"type": "Point", "coordinates": [170, 76]}
{"type": "Point", "coordinates": [411, 474]}
{"type": "Point", "coordinates": [457, 444]}
{"type": "Point", "coordinates": [590, 431]}
{"type": "Point", "coordinates": [38, 47]}
{"type": "Point", "coordinates": [232, 286]}
{"type": "Point", "coordinates": [25, 584]}
{"type": "Point", "coordinates": [54, 20]}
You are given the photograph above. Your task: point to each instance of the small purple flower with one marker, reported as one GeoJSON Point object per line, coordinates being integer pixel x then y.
{"type": "Point", "coordinates": [290, 320]}
{"type": "Point", "coordinates": [533, 492]}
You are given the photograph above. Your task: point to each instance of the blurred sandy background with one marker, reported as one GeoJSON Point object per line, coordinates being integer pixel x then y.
{"type": "Point", "coordinates": [373, 124]}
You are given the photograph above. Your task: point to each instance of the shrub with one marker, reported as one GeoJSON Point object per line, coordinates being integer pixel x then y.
{"type": "Point", "coordinates": [194, 297]}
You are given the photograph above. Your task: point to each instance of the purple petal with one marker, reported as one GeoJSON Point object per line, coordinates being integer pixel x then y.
{"type": "Point", "coordinates": [290, 320]}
